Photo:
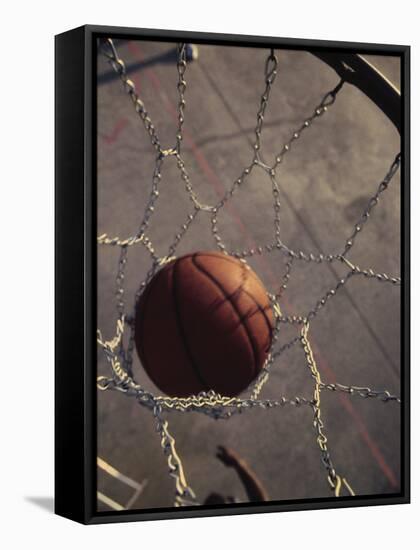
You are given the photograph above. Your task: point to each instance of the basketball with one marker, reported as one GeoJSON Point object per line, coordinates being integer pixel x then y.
{"type": "Point", "coordinates": [204, 322]}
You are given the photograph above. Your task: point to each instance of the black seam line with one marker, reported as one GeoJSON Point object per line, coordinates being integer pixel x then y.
{"type": "Point", "coordinates": [221, 256]}
{"type": "Point", "coordinates": [251, 311]}
{"type": "Point", "coordinates": [182, 331]}
{"type": "Point", "coordinates": [263, 312]}
{"type": "Point", "coordinates": [228, 298]}
{"type": "Point", "coordinates": [235, 261]}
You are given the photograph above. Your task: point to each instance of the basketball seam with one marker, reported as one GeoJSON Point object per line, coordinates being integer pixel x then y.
{"type": "Point", "coordinates": [235, 309]}
{"type": "Point", "coordinates": [263, 312]}
{"type": "Point", "coordinates": [259, 306]}
{"type": "Point", "coordinates": [182, 331]}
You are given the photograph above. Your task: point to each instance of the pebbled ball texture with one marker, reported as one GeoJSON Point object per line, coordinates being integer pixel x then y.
{"type": "Point", "coordinates": [203, 322]}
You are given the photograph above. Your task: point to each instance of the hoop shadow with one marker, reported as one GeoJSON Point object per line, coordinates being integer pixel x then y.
{"type": "Point", "coordinates": [166, 58]}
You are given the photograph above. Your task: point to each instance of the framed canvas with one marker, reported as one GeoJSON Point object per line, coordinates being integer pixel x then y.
{"type": "Point", "coordinates": [232, 274]}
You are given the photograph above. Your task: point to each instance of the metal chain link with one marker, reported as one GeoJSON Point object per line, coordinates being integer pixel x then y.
{"type": "Point", "coordinates": [373, 201]}
{"type": "Point", "coordinates": [184, 495]}
{"type": "Point", "coordinates": [118, 65]}
{"type": "Point", "coordinates": [327, 101]}
{"type": "Point", "coordinates": [270, 76]}
{"type": "Point", "coordinates": [181, 86]}
{"type": "Point", "coordinates": [120, 358]}
{"type": "Point", "coordinates": [365, 392]}
{"type": "Point", "coordinates": [322, 441]}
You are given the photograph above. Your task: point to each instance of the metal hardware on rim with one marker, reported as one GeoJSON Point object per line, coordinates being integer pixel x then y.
{"type": "Point", "coordinates": [356, 70]}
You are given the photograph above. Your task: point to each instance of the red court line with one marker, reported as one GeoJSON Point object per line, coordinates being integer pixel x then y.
{"type": "Point", "coordinates": [113, 136]}
{"type": "Point", "coordinates": [345, 401]}
{"type": "Point", "coordinates": [218, 186]}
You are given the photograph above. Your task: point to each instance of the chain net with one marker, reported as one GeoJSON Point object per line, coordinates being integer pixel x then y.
{"type": "Point", "coordinates": [119, 355]}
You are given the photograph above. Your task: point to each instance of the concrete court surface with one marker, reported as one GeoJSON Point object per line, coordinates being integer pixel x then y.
{"type": "Point", "coordinates": [325, 180]}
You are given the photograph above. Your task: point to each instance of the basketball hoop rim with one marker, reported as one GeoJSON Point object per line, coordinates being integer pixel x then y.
{"type": "Point", "coordinates": [356, 70]}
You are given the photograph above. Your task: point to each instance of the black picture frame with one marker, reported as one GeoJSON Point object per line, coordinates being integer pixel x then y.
{"type": "Point", "coordinates": [75, 274]}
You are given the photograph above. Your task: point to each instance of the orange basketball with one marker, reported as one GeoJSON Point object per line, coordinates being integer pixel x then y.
{"type": "Point", "coordinates": [203, 322]}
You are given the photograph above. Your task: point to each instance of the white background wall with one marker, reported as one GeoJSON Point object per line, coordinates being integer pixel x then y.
{"type": "Point", "coordinates": [26, 240]}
